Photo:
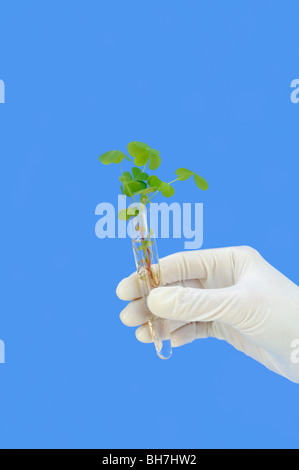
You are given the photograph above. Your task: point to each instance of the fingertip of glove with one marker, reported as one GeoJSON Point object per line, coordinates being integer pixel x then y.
{"type": "Point", "coordinates": [120, 291]}
{"type": "Point", "coordinates": [128, 288]}
{"type": "Point", "coordinates": [143, 334]}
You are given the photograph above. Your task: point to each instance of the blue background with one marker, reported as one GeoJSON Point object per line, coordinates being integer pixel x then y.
{"type": "Point", "coordinates": [208, 84]}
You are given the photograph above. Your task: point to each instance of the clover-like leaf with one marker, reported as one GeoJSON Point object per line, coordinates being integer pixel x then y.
{"type": "Point", "coordinates": [130, 187]}
{"type": "Point", "coordinates": [140, 151]}
{"type": "Point", "coordinates": [142, 177]}
{"type": "Point", "coordinates": [200, 182]}
{"type": "Point", "coordinates": [155, 160]}
{"type": "Point", "coordinates": [122, 215]}
{"type": "Point", "coordinates": [125, 214]}
{"type": "Point", "coordinates": [133, 187]}
{"type": "Point", "coordinates": [154, 182]}
{"type": "Point", "coordinates": [136, 172]}
{"type": "Point", "coordinates": [166, 189]}
{"type": "Point", "coordinates": [141, 185]}
{"type": "Point", "coordinates": [132, 211]}
{"type": "Point", "coordinates": [183, 174]}
{"type": "Point", "coordinates": [126, 177]}
{"type": "Point", "coordinates": [113, 156]}
{"type": "Point", "coordinates": [135, 148]}
{"type": "Point", "coordinates": [127, 191]}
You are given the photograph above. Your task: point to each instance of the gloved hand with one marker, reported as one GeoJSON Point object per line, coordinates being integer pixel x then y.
{"type": "Point", "coordinates": [231, 294]}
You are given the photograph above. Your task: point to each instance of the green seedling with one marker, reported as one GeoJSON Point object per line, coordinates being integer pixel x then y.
{"type": "Point", "coordinates": [141, 187]}
{"type": "Point", "coordinates": [137, 183]}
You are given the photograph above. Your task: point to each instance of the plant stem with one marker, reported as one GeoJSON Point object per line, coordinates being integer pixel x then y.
{"type": "Point", "coordinates": [177, 179]}
{"type": "Point", "coordinates": [146, 163]}
{"type": "Point", "coordinates": [152, 196]}
{"type": "Point", "coordinates": [174, 181]}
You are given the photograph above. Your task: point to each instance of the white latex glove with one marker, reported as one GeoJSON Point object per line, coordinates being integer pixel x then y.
{"type": "Point", "coordinates": [235, 296]}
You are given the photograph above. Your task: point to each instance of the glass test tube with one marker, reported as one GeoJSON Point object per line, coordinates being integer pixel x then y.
{"type": "Point", "coordinates": [149, 275]}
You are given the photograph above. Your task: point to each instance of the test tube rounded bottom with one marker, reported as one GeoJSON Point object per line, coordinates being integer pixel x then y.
{"type": "Point", "coordinates": [161, 334]}
{"type": "Point", "coordinates": [164, 349]}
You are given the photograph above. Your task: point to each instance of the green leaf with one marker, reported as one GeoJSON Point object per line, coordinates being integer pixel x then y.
{"type": "Point", "coordinates": [136, 172]}
{"type": "Point", "coordinates": [200, 182]}
{"type": "Point", "coordinates": [113, 156]}
{"type": "Point", "coordinates": [133, 187]}
{"type": "Point", "coordinates": [139, 175]}
{"type": "Point", "coordinates": [125, 214]}
{"type": "Point", "coordinates": [183, 174]}
{"type": "Point", "coordinates": [132, 211]}
{"type": "Point", "coordinates": [142, 177]}
{"type": "Point", "coordinates": [122, 215]}
{"type": "Point", "coordinates": [130, 187]}
{"type": "Point", "coordinates": [145, 244]}
{"type": "Point", "coordinates": [126, 177]}
{"type": "Point", "coordinates": [135, 148]}
{"type": "Point", "coordinates": [128, 192]}
{"type": "Point", "coordinates": [122, 190]}
{"type": "Point", "coordinates": [141, 160]}
{"type": "Point", "coordinates": [154, 182]}
{"type": "Point", "coordinates": [166, 189]}
{"type": "Point", "coordinates": [141, 185]}
{"type": "Point", "coordinates": [140, 151]}
{"type": "Point", "coordinates": [155, 160]}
